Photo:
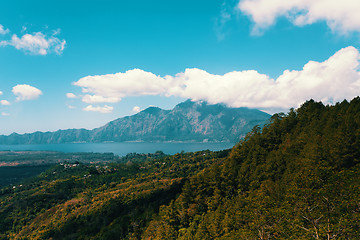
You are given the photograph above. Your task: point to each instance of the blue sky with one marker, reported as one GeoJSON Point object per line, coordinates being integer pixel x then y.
{"type": "Point", "coordinates": [80, 64]}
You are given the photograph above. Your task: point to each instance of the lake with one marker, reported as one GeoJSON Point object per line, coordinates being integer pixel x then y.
{"type": "Point", "coordinates": [122, 148]}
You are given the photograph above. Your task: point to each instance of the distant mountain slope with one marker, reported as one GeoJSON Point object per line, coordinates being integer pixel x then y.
{"type": "Point", "coordinates": [188, 121]}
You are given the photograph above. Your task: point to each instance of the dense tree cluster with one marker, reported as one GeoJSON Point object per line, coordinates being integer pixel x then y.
{"type": "Point", "coordinates": [297, 178]}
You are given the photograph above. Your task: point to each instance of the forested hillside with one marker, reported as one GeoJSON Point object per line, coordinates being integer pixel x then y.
{"type": "Point", "coordinates": [97, 201]}
{"type": "Point", "coordinates": [297, 178]}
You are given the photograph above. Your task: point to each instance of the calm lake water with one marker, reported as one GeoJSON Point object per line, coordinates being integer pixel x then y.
{"type": "Point", "coordinates": [122, 148]}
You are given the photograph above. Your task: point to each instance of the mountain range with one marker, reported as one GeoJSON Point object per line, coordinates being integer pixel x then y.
{"type": "Point", "coordinates": [187, 121]}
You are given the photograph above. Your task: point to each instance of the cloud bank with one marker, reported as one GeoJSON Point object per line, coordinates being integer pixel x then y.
{"type": "Point", "coordinates": [36, 43]}
{"type": "Point", "coordinates": [134, 82]}
{"type": "Point", "coordinates": [26, 92]}
{"type": "Point", "coordinates": [333, 80]}
{"type": "Point", "coordinates": [342, 16]}
{"type": "Point", "coordinates": [104, 109]}
{"type": "Point", "coordinates": [99, 99]}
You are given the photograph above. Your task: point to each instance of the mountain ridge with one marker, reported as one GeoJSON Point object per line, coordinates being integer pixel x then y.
{"type": "Point", "coordinates": [188, 121]}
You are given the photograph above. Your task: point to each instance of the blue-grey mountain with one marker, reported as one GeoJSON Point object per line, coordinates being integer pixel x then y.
{"type": "Point", "coordinates": [188, 121]}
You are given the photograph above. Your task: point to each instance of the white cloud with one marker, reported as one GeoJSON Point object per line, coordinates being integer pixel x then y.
{"type": "Point", "coordinates": [71, 106]}
{"type": "Point", "coordinates": [333, 80]}
{"type": "Point", "coordinates": [5, 114]}
{"type": "Point", "coordinates": [5, 102]}
{"type": "Point", "coordinates": [70, 95]}
{"type": "Point", "coordinates": [26, 92]}
{"type": "Point", "coordinates": [36, 43]}
{"type": "Point", "coordinates": [1, 92]}
{"type": "Point", "coordinates": [342, 16]}
{"type": "Point", "coordinates": [136, 109]}
{"type": "Point", "coordinates": [104, 109]}
{"type": "Point", "coordinates": [99, 99]}
{"type": "Point", "coordinates": [134, 82]}
{"type": "Point", "coordinates": [3, 31]}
